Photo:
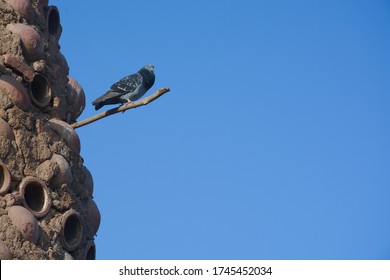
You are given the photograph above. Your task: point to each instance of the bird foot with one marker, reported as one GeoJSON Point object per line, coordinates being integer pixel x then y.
{"type": "Point", "coordinates": [128, 102]}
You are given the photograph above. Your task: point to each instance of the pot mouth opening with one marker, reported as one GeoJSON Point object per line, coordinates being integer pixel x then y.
{"type": "Point", "coordinates": [72, 230]}
{"type": "Point", "coordinates": [36, 196]}
{"type": "Point", "coordinates": [53, 21]}
{"type": "Point", "coordinates": [40, 91]}
{"type": "Point", "coordinates": [91, 252]}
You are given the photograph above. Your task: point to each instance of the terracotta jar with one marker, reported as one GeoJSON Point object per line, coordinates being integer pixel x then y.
{"type": "Point", "coordinates": [31, 41]}
{"type": "Point", "coordinates": [5, 179]}
{"type": "Point", "coordinates": [40, 91]}
{"type": "Point", "coordinates": [71, 229]}
{"type": "Point", "coordinates": [90, 250]}
{"type": "Point", "coordinates": [36, 196]}
{"type": "Point", "coordinates": [25, 222]}
{"type": "Point", "coordinates": [16, 92]}
{"type": "Point", "coordinates": [66, 132]}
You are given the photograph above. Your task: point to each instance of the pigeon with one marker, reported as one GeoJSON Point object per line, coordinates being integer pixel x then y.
{"type": "Point", "coordinates": [128, 89]}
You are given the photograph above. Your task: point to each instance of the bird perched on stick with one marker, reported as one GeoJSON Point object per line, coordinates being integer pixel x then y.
{"type": "Point", "coordinates": [128, 89]}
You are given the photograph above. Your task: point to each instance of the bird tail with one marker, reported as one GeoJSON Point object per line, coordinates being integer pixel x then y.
{"type": "Point", "coordinates": [97, 105]}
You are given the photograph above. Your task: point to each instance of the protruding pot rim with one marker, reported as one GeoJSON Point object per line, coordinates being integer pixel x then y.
{"type": "Point", "coordinates": [53, 21]}
{"type": "Point", "coordinates": [36, 196]}
{"type": "Point", "coordinates": [41, 93]}
{"type": "Point", "coordinates": [66, 132]}
{"type": "Point", "coordinates": [90, 250]}
{"type": "Point", "coordinates": [5, 179]}
{"type": "Point", "coordinates": [72, 229]}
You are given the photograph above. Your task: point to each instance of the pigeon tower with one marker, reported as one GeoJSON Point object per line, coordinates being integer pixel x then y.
{"type": "Point", "coordinates": [46, 205]}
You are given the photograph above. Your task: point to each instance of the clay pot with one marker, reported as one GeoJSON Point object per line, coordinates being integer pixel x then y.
{"type": "Point", "coordinates": [23, 7]}
{"type": "Point", "coordinates": [25, 222]}
{"type": "Point", "coordinates": [63, 65]}
{"type": "Point", "coordinates": [5, 179]}
{"type": "Point", "coordinates": [40, 91]}
{"type": "Point", "coordinates": [32, 44]}
{"type": "Point", "coordinates": [5, 253]}
{"type": "Point", "coordinates": [36, 196]}
{"type": "Point", "coordinates": [16, 92]}
{"type": "Point", "coordinates": [6, 131]}
{"type": "Point", "coordinates": [93, 215]}
{"type": "Point", "coordinates": [71, 230]}
{"type": "Point", "coordinates": [66, 132]}
{"type": "Point", "coordinates": [88, 180]}
{"type": "Point", "coordinates": [77, 97]}
{"type": "Point", "coordinates": [90, 250]}
{"type": "Point", "coordinates": [53, 22]}
{"type": "Point", "coordinates": [64, 175]}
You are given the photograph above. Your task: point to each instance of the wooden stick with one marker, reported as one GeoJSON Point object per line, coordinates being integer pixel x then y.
{"type": "Point", "coordinates": [122, 108]}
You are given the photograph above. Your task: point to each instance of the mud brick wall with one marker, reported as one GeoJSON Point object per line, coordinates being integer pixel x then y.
{"type": "Point", "coordinates": [46, 205]}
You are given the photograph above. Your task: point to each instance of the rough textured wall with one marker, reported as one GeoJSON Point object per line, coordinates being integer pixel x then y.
{"type": "Point", "coordinates": [46, 206]}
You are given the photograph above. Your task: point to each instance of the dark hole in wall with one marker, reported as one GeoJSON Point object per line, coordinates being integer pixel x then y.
{"type": "Point", "coordinates": [34, 196]}
{"type": "Point", "coordinates": [72, 230]}
{"type": "Point", "coordinates": [41, 91]}
{"type": "Point", "coordinates": [53, 21]}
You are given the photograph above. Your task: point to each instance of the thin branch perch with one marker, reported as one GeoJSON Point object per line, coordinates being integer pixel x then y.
{"type": "Point", "coordinates": [122, 108]}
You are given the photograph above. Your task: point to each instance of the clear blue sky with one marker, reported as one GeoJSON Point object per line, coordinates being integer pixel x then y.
{"type": "Point", "coordinates": [274, 142]}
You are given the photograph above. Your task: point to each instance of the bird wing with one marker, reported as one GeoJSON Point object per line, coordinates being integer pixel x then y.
{"type": "Point", "coordinates": [127, 84]}
{"type": "Point", "coordinates": [119, 88]}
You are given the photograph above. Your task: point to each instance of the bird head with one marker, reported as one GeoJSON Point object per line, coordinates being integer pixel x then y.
{"type": "Point", "coordinates": [149, 67]}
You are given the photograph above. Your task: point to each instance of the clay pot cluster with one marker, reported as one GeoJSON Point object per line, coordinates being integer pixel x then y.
{"type": "Point", "coordinates": [46, 193]}
{"type": "Point", "coordinates": [39, 63]}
